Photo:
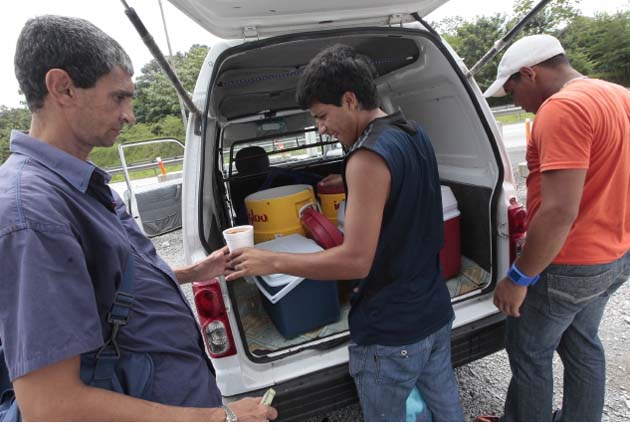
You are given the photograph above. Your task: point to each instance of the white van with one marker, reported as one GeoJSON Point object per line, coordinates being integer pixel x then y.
{"type": "Point", "coordinates": [246, 92]}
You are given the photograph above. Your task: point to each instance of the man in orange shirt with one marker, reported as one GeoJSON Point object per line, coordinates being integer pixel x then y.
{"type": "Point", "coordinates": [576, 254]}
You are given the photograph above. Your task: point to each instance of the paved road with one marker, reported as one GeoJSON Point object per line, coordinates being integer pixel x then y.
{"type": "Point", "coordinates": [514, 136]}
{"type": "Point", "coordinates": [483, 384]}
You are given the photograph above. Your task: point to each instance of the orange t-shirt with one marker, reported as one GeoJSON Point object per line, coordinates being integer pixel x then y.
{"type": "Point", "coordinates": [586, 125]}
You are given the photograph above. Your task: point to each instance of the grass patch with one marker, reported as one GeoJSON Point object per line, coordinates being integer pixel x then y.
{"type": "Point", "coordinates": [514, 118]}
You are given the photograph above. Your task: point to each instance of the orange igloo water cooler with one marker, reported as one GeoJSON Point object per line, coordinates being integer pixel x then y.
{"type": "Point", "coordinates": [331, 197]}
{"type": "Point", "coordinates": [450, 256]}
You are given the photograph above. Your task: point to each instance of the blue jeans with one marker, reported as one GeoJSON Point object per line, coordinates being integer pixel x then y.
{"type": "Point", "coordinates": [561, 312]}
{"type": "Point", "coordinates": [386, 375]}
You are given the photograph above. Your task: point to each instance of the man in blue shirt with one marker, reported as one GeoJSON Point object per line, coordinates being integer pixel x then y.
{"type": "Point", "coordinates": [401, 315]}
{"type": "Point", "coordinates": [65, 240]}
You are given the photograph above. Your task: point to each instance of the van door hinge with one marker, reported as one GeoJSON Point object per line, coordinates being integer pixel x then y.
{"type": "Point", "coordinates": [503, 230]}
{"type": "Point", "coordinates": [396, 19]}
{"type": "Point", "coordinates": [250, 32]}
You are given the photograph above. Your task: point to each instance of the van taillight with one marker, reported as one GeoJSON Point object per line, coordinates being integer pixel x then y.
{"type": "Point", "coordinates": [517, 222]}
{"type": "Point", "coordinates": [213, 319]}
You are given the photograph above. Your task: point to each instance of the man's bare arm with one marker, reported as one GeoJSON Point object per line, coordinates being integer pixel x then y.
{"type": "Point", "coordinates": [57, 393]}
{"type": "Point", "coordinates": [561, 195]}
{"type": "Point", "coordinates": [210, 267]}
{"type": "Point", "coordinates": [369, 183]}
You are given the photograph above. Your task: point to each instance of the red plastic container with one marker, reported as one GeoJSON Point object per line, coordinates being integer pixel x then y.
{"type": "Point", "coordinates": [450, 255]}
{"type": "Point", "coordinates": [320, 229]}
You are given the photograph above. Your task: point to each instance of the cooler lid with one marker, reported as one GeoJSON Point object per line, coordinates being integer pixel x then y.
{"type": "Point", "coordinates": [272, 293]}
{"type": "Point", "coordinates": [294, 244]}
{"type": "Point", "coordinates": [325, 233]}
{"type": "Point", "coordinates": [276, 192]}
{"type": "Point", "coordinates": [233, 19]}
{"type": "Point", "coordinates": [330, 189]}
{"type": "Point", "coordinates": [449, 203]}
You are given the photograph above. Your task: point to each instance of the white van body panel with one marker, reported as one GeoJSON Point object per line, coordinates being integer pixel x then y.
{"type": "Point", "coordinates": [200, 92]}
{"type": "Point", "coordinates": [193, 250]}
{"type": "Point", "coordinates": [232, 19]}
{"type": "Point", "coordinates": [469, 159]}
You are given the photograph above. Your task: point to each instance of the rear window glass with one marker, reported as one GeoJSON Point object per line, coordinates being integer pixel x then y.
{"type": "Point", "coordinates": [280, 150]}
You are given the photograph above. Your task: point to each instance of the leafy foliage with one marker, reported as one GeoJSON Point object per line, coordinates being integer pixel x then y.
{"type": "Point", "coordinates": [554, 16]}
{"type": "Point", "coordinates": [11, 118]}
{"type": "Point", "coordinates": [471, 39]}
{"type": "Point", "coordinates": [597, 47]}
{"type": "Point", "coordinates": [155, 96]}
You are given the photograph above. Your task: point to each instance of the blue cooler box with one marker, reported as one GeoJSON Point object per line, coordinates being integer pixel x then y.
{"type": "Point", "coordinates": [309, 304]}
{"type": "Point", "coordinates": [297, 305]}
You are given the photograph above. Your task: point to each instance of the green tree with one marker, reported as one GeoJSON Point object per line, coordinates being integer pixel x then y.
{"type": "Point", "coordinates": [472, 39]}
{"type": "Point", "coordinates": [169, 126]}
{"type": "Point", "coordinates": [448, 26]}
{"type": "Point", "coordinates": [577, 38]}
{"type": "Point", "coordinates": [610, 48]}
{"type": "Point", "coordinates": [553, 17]}
{"type": "Point", "coordinates": [155, 96]}
{"type": "Point", "coordinates": [599, 46]}
{"type": "Point", "coordinates": [10, 119]}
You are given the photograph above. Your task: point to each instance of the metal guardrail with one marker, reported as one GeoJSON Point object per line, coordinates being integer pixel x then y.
{"type": "Point", "coordinates": [145, 164]}
{"type": "Point", "coordinates": [507, 110]}
{"type": "Point", "coordinates": [133, 167]}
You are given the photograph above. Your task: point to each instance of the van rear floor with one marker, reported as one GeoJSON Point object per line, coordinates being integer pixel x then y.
{"type": "Point", "coordinates": [262, 336]}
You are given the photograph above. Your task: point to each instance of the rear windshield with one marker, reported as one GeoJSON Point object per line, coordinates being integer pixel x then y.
{"type": "Point", "coordinates": [278, 150]}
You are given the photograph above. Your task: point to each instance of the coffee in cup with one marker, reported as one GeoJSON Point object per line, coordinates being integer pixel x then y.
{"type": "Point", "coordinates": [240, 236]}
{"type": "Point", "coordinates": [235, 230]}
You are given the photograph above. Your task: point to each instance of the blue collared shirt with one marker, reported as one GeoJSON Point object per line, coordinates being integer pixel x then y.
{"type": "Point", "coordinates": [62, 254]}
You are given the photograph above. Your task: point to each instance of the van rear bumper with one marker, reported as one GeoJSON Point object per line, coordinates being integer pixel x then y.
{"type": "Point", "coordinates": [478, 339]}
{"type": "Point", "coordinates": [333, 388]}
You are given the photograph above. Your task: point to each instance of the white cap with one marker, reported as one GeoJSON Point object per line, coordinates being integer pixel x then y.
{"type": "Point", "coordinates": [525, 52]}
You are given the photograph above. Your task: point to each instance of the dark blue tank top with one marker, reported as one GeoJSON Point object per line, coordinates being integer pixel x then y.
{"type": "Point", "coordinates": [404, 297]}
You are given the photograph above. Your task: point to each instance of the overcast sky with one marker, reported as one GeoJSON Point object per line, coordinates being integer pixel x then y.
{"type": "Point", "coordinates": [109, 16]}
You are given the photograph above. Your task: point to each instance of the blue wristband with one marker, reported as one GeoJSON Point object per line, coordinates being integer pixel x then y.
{"type": "Point", "coordinates": [521, 279]}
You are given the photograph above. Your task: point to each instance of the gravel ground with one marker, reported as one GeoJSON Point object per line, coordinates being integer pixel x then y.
{"type": "Point", "coordinates": [483, 384]}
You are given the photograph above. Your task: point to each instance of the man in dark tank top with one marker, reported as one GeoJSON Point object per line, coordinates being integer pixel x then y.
{"type": "Point", "coordinates": [401, 315]}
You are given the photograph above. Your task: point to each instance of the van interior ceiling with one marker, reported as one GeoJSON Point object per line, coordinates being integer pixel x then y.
{"type": "Point", "coordinates": [253, 102]}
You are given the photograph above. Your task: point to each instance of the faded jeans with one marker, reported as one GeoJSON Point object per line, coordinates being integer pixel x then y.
{"type": "Point", "coordinates": [386, 375]}
{"type": "Point", "coordinates": [561, 312]}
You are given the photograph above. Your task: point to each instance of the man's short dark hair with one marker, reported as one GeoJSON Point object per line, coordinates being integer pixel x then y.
{"type": "Point", "coordinates": [334, 71]}
{"type": "Point", "coordinates": [550, 63]}
{"type": "Point", "coordinates": [555, 61]}
{"type": "Point", "coordinates": [75, 45]}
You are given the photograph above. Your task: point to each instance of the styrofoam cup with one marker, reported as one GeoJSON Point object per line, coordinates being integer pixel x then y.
{"type": "Point", "coordinates": [240, 236]}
